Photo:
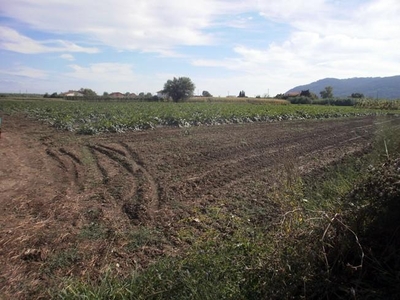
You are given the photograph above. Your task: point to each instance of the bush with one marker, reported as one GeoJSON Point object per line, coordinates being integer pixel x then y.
{"type": "Point", "coordinates": [336, 101]}
{"type": "Point", "coordinates": [300, 100]}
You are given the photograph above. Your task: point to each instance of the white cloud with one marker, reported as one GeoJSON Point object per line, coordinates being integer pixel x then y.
{"type": "Point", "coordinates": [11, 40]}
{"type": "Point", "coordinates": [322, 38]}
{"type": "Point", "coordinates": [102, 72]}
{"type": "Point", "coordinates": [145, 25]}
{"type": "Point", "coordinates": [290, 10]}
{"type": "Point", "coordinates": [327, 40]}
{"type": "Point", "coordinates": [109, 77]}
{"type": "Point", "coordinates": [66, 56]}
{"type": "Point", "coordinates": [25, 71]}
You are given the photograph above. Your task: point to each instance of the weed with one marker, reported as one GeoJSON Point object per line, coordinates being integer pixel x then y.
{"type": "Point", "coordinates": [87, 157]}
{"type": "Point", "coordinates": [95, 231]}
{"type": "Point", "coordinates": [94, 214]}
{"type": "Point", "coordinates": [61, 260]}
{"type": "Point", "coordinates": [143, 236]}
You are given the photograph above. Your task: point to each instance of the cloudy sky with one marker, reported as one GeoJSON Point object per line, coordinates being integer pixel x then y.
{"type": "Point", "coordinates": [224, 46]}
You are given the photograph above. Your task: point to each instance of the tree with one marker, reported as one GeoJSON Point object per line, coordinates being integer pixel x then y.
{"type": "Point", "coordinates": [308, 94]}
{"type": "Point", "coordinates": [357, 95]}
{"type": "Point", "coordinates": [88, 92]}
{"type": "Point", "coordinates": [327, 92]}
{"type": "Point", "coordinates": [242, 94]}
{"type": "Point", "coordinates": [179, 89]}
{"type": "Point", "coordinates": [206, 94]}
{"type": "Point", "coordinates": [305, 93]}
{"type": "Point", "coordinates": [106, 94]}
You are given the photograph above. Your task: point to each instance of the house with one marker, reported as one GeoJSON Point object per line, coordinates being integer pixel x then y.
{"type": "Point", "coordinates": [72, 93]}
{"type": "Point", "coordinates": [131, 95]}
{"type": "Point", "coordinates": [117, 95]}
{"type": "Point", "coordinates": [162, 95]}
{"type": "Point", "coordinates": [292, 94]}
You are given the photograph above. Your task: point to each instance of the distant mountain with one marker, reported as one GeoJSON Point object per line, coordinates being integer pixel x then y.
{"type": "Point", "coordinates": [374, 87]}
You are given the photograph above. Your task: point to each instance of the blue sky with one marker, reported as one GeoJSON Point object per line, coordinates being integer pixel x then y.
{"type": "Point", "coordinates": [224, 46]}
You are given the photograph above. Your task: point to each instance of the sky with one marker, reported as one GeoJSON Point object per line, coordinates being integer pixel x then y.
{"type": "Point", "coordinates": [263, 47]}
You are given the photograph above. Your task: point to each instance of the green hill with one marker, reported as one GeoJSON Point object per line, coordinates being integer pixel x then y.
{"type": "Point", "coordinates": [374, 87]}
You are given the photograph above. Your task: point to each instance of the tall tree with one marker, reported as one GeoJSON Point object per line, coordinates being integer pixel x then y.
{"type": "Point", "coordinates": [88, 92]}
{"type": "Point", "coordinates": [327, 92]}
{"type": "Point", "coordinates": [179, 89]}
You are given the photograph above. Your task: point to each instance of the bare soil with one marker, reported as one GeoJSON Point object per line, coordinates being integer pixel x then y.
{"type": "Point", "coordinates": [74, 205]}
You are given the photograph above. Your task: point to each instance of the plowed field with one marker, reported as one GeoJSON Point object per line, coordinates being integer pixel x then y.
{"type": "Point", "coordinates": [79, 205]}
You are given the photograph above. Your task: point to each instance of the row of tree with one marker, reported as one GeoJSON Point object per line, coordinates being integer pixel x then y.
{"type": "Point", "coordinates": [181, 88]}
{"type": "Point", "coordinates": [177, 89]}
{"type": "Point", "coordinates": [326, 93]}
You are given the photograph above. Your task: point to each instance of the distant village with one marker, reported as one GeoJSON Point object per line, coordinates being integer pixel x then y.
{"type": "Point", "coordinates": [115, 95]}
{"type": "Point", "coordinates": [88, 93]}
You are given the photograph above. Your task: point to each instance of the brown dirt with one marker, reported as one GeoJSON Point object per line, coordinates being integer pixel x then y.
{"type": "Point", "coordinates": [82, 205]}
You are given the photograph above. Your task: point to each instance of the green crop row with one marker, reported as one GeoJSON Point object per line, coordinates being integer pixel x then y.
{"type": "Point", "coordinates": [92, 118]}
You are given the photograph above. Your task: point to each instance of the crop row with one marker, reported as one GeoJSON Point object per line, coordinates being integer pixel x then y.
{"type": "Point", "coordinates": [92, 118]}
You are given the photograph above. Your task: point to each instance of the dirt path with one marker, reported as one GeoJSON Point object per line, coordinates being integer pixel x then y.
{"type": "Point", "coordinates": [69, 204]}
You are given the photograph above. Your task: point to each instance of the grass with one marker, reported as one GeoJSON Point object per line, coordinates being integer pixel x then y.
{"type": "Point", "coordinates": [61, 260]}
{"type": "Point", "coordinates": [94, 231]}
{"type": "Point", "coordinates": [143, 236]}
{"type": "Point", "coordinates": [318, 248]}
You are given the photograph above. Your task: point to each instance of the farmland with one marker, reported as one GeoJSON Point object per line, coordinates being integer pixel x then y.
{"type": "Point", "coordinates": [78, 208]}
{"type": "Point", "coordinates": [97, 117]}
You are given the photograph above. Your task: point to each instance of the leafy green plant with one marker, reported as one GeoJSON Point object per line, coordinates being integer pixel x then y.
{"type": "Point", "coordinates": [98, 117]}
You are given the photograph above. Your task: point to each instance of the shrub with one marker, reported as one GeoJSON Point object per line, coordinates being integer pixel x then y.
{"type": "Point", "coordinates": [300, 100]}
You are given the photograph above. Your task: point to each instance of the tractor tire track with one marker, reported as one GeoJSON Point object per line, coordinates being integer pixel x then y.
{"type": "Point", "coordinates": [149, 186]}
{"type": "Point", "coordinates": [139, 198]}
{"type": "Point", "coordinates": [70, 164]}
{"type": "Point", "coordinates": [224, 169]}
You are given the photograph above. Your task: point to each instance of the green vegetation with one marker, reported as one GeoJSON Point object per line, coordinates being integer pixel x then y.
{"type": "Point", "coordinates": [368, 103]}
{"type": "Point", "coordinates": [206, 94]}
{"type": "Point", "coordinates": [179, 89]}
{"type": "Point", "coordinates": [92, 118]}
{"type": "Point", "coordinates": [336, 238]}
{"type": "Point", "coordinates": [60, 260]}
{"type": "Point", "coordinates": [327, 92]}
{"type": "Point", "coordinates": [256, 100]}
